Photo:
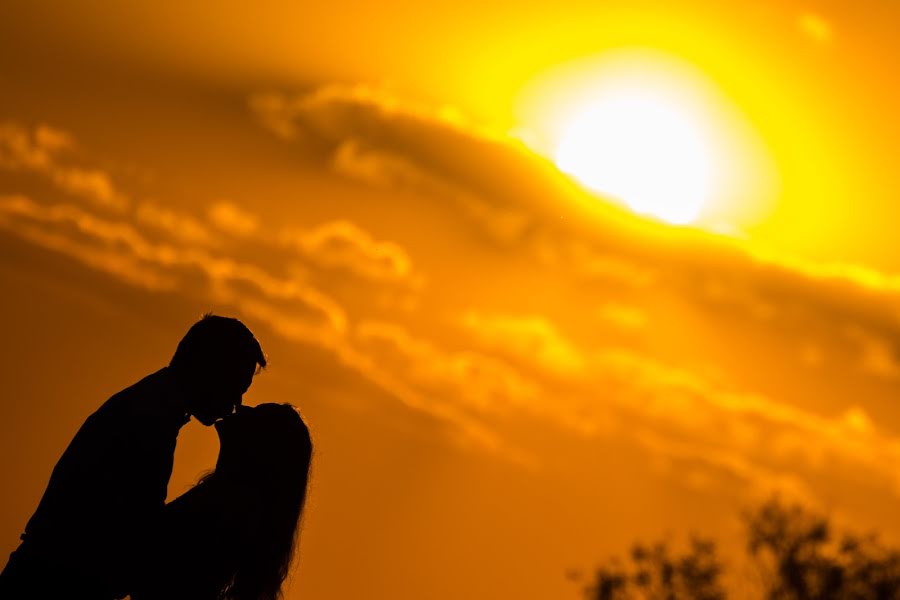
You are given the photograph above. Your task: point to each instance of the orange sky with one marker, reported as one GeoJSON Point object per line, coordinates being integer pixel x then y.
{"type": "Point", "coordinates": [505, 377]}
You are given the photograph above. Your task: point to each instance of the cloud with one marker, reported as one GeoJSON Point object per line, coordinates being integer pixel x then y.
{"type": "Point", "coordinates": [115, 235]}
{"type": "Point", "coordinates": [479, 381]}
{"type": "Point", "coordinates": [40, 150]}
{"type": "Point", "coordinates": [530, 338]}
{"type": "Point", "coordinates": [119, 248]}
{"type": "Point", "coordinates": [623, 317]}
{"type": "Point", "coordinates": [751, 432]}
{"type": "Point", "coordinates": [343, 244]}
{"type": "Point", "coordinates": [181, 226]}
{"type": "Point", "coordinates": [503, 224]}
{"type": "Point", "coordinates": [466, 429]}
{"type": "Point", "coordinates": [706, 469]}
{"type": "Point", "coordinates": [584, 261]}
{"type": "Point", "coordinates": [496, 390]}
{"type": "Point", "coordinates": [232, 219]}
{"type": "Point", "coordinates": [328, 111]}
{"type": "Point", "coordinates": [378, 169]}
{"type": "Point", "coordinates": [74, 233]}
{"type": "Point", "coordinates": [92, 184]}
{"type": "Point", "coordinates": [381, 169]}
{"type": "Point", "coordinates": [877, 355]}
{"type": "Point", "coordinates": [21, 149]}
{"type": "Point", "coordinates": [53, 140]}
{"type": "Point", "coordinates": [715, 432]}
{"type": "Point", "coordinates": [371, 136]}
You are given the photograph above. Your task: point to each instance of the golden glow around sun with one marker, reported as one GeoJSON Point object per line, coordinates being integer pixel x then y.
{"type": "Point", "coordinates": [651, 132]}
{"type": "Point", "coordinates": [639, 148]}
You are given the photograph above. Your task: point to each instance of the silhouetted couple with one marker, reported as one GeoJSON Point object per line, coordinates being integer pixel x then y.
{"type": "Point", "coordinates": [102, 529]}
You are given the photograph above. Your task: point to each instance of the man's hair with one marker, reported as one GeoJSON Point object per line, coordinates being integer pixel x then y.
{"type": "Point", "coordinates": [214, 338]}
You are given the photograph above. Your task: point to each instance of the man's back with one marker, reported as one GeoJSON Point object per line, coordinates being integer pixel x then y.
{"type": "Point", "coordinates": [108, 487]}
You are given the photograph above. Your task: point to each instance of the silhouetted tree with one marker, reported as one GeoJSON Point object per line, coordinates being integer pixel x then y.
{"type": "Point", "coordinates": [655, 573]}
{"type": "Point", "coordinates": [795, 550]}
{"type": "Point", "coordinates": [802, 559]}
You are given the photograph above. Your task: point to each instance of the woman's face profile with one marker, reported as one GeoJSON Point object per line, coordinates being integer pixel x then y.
{"type": "Point", "coordinates": [236, 434]}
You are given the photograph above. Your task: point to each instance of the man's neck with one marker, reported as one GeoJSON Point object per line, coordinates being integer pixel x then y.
{"type": "Point", "coordinates": [174, 404]}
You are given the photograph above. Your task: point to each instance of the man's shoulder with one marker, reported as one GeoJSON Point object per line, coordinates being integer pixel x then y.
{"type": "Point", "coordinates": [144, 402]}
{"type": "Point", "coordinates": [147, 386]}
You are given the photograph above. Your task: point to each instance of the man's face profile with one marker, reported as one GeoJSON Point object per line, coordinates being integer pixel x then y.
{"type": "Point", "coordinates": [215, 392]}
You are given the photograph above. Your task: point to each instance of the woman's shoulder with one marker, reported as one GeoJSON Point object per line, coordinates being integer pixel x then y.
{"type": "Point", "coordinates": [194, 551]}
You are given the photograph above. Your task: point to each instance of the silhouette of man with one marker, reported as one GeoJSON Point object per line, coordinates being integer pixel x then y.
{"type": "Point", "coordinates": [87, 535]}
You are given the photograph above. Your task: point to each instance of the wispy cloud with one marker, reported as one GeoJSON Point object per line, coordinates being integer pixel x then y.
{"type": "Point", "coordinates": [878, 355]}
{"type": "Point", "coordinates": [177, 224]}
{"type": "Point", "coordinates": [41, 151]}
{"type": "Point", "coordinates": [752, 432]}
{"type": "Point", "coordinates": [370, 135]}
{"type": "Point", "coordinates": [623, 316]}
{"type": "Point", "coordinates": [343, 244]}
{"type": "Point", "coordinates": [118, 248]}
{"type": "Point", "coordinates": [329, 110]}
{"type": "Point", "coordinates": [530, 338]}
{"type": "Point", "coordinates": [482, 382]}
{"type": "Point", "coordinates": [232, 219]}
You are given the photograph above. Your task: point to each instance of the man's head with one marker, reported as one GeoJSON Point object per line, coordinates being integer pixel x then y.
{"type": "Point", "coordinates": [215, 363]}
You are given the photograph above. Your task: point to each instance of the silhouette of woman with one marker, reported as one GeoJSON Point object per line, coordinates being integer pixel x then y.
{"type": "Point", "coordinates": [233, 535]}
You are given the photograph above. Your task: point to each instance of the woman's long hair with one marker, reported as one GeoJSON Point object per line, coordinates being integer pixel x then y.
{"type": "Point", "coordinates": [278, 452]}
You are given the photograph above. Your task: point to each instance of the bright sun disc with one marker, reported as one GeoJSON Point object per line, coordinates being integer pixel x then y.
{"type": "Point", "coordinates": [642, 150]}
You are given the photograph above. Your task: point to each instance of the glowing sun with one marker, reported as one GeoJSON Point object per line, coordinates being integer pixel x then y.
{"type": "Point", "coordinates": [641, 148]}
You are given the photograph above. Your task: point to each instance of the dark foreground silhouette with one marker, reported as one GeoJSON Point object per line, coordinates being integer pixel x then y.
{"type": "Point", "coordinates": [106, 494]}
{"type": "Point", "coordinates": [793, 555]}
{"type": "Point", "coordinates": [232, 536]}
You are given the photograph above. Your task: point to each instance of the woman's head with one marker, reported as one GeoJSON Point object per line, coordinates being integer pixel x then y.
{"type": "Point", "coordinates": [266, 440]}
{"type": "Point", "coordinates": [266, 449]}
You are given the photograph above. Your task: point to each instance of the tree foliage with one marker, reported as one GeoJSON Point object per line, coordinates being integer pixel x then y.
{"type": "Point", "coordinates": [796, 552]}
{"type": "Point", "coordinates": [802, 558]}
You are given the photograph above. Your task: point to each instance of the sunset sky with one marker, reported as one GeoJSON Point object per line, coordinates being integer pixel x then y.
{"type": "Point", "coordinates": [508, 373]}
